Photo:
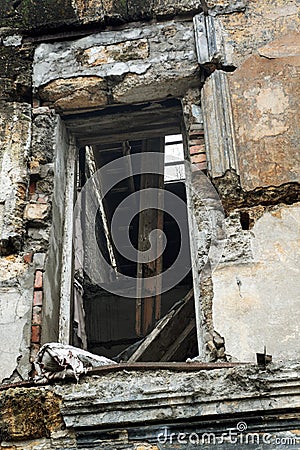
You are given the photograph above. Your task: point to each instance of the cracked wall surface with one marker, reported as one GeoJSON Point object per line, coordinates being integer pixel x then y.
{"type": "Point", "coordinates": [253, 159]}
{"type": "Point", "coordinates": [249, 25]}
{"type": "Point", "coordinates": [15, 315]}
{"type": "Point", "coordinates": [133, 410]}
{"type": "Point", "coordinates": [265, 109]}
{"type": "Point", "coordinates": [256, 293]}
{"type": "Point", "coordinates": [16, 278]}
{"type": "Point", "coordinates": [237, 78]}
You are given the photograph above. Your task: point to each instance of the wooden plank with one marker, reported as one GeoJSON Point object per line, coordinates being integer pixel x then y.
{"type": "Point", "coordinates": [174, 366]}
{"type": "Point", "coordinates": [112, 199]}
{"type": "Point", "coordinates": [152, 337]}
{"type": "Point", "coordinates": [107, 137]}
{"type": "Point", "coordinates": [148, 307]}
{"type": "Point", "coordinates": [159, 261]}
{"type": "Point", "coordinates": [126, 149]}
{"type": "Point", "coordinates": [94, 163]}
{"type": "Point", "coordinates": [180, 341]}
{"type": "Point", "coordinates": [126, 122]}
{"type": "Point", "coordinates": [112, 112]}
{"type": "Point", "coordinates": [176, 323]}
{"type": "Point", "coordinates": [123, 121]}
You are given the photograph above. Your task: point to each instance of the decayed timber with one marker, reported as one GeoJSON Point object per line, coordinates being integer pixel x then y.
{"type": "Point", "coordinates": [148, 308]}
{"type": "Point", "coordinates": [160, 344]}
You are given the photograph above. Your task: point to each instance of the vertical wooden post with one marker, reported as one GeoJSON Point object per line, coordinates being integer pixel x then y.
{"type": "Point", "coordinates": [148, 307]}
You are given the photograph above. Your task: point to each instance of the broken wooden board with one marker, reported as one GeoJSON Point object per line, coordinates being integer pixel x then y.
{"type": "Point", "coordinates": [148, 307]}
{"type": "Point", "coordinates": [174, 337]}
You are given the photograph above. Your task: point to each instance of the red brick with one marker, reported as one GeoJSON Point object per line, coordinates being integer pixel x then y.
{"type": "Point", "coordinates": [38, 298]}
{"type": "Point", "coordinates": [42, 199]}
{"type": "Point", "coordinates": [36, 102]}
{"type": "Point", "coordinates": [35, 334]}
{"type": "Point", "coordinates": [194, 149]}
{"type": "Point", "coordinates": [196, 140]}
{"type": "Point", "coordinates": [38, 281]}
{"type": "Point", "coordinates": [201, 158]}
{"type": "Point", "coordinates": [28, 258]}
{"type": "Point", "coordinates": [32, 187]}
{"type": "Point", "coordinates": [201, 166]}
{"type": "Point", "coordinates": [37, 315]}
{"type": "Point", "coordinates": [197, 148]}
{"type": "Point", "coordinates": [196, 133]}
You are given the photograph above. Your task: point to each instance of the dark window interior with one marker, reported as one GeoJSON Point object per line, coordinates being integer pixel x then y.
{"type": "Point", "coordinates": [112, 323]}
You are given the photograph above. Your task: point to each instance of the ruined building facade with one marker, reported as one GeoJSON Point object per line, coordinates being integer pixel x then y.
{"type": "Point", "coordinates": [84, 83]}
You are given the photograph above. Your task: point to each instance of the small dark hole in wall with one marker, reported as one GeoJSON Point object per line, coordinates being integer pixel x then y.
{"type": "Point", "coordinates": [245, 220]}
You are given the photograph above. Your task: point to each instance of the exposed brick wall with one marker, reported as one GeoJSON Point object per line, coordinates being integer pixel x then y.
{"type": "Point", "coordinates": [37, 305]}
{"type": "Point", "coordinates": [197, 147]}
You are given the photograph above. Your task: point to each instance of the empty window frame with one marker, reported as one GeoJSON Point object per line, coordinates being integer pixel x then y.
{"type": "Point", "coordinates": [116, 326]}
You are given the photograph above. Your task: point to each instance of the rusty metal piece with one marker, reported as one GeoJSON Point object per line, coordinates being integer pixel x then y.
{"type": "Point", "coordinates": [263, 359]}
{"type": "Point", "coordinates": [173, 366]}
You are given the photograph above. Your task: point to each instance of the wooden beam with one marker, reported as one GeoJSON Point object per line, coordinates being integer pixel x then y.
{"type": "Point", "coordinates": [133, 120]}
{"type": "Point", "coordinates": [101, 136]}
{"type": "Point", "coordinates": [126, 122]}
{"type": "Point", "coordinates": [180, 341]}
{"type": "Point", "coordinates": [117, 110]}
{"type": "Point", "coordinates": [148, 307]}
{"type": "Point", "coordinates": [126, 149]}
{"type": "Point", "coordinates": [161, 344]}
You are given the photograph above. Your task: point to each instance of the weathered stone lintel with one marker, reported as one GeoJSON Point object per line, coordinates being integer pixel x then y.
{"type": "Point", "coordinates": [106, 54]}
{"type": "Point", "coordinates": [121, 66]}
{"type": "Point", "coordinates": [218, 125]}
{"type": "Point", "coordinates": [148, 395]}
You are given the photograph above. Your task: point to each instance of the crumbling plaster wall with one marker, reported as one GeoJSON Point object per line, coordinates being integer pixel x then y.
{"type": "Point", "coordinates": [256, 287]}
{"type": "Point", "coordinates": [28, 162]}
{"type": "Point", "coordinates": [256, 291]}
{"type": "Point", "coordinates": [15, 317]}
{"type": "Point", "coordinates": [16, 281]}
{"type": "Point", "coordinates": [265, 108]}
{"type": "Point", "coordinates": [133, 410]}
{"type": "Point", "coordinates": [259, 38]}
{"type": "Point", "coordinates": [250, 25]}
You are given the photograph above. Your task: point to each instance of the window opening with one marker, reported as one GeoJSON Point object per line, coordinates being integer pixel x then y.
{"type": "Point", "coordinates": [174, 158]}
{"type": "Point", "coordinates": [117, 326]}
